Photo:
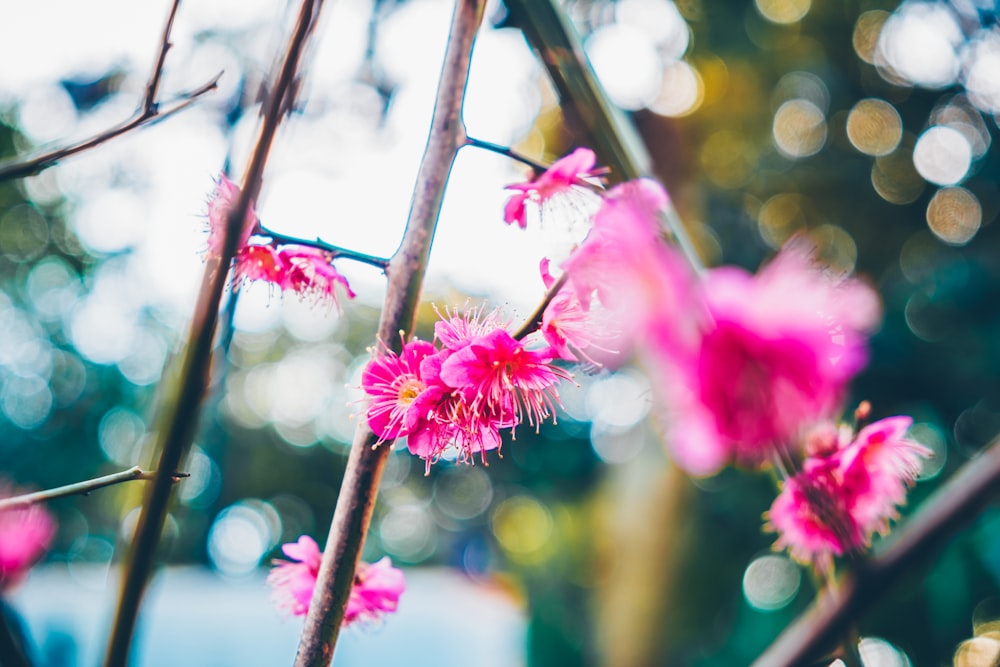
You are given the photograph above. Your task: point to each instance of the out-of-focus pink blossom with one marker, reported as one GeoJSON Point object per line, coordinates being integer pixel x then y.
{"type": "Point", "coordinates": [25, 535]}
{"type": "Point", "coordinates": [572, 331]}
{"type": "Point", "coordinates": [777, 353]}
{"type": "Point", "coordinates": [565, 176]}
{"type": "Point", "coordinates": [262, 262]}
{"type": "Point", "coordinates": [220, 204]}
{"type": "Point", "coordinates": [312, 274]}
{"type": "Point", "coordinates": [847, 490]}
{"type": "Point", "coordinates": [375, 592]}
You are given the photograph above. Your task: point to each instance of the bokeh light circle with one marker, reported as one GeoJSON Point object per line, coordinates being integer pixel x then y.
{"type": "Point", "coordinates": [771, 582]}
{"type": "Point", "coordinates": [783, 11]}
{"type": "Point", "coordinates": [942, 155]}
{"type": "Point", "coordinates": [954, 215]}
{"type": "Point", "coordinates": [874, 127]}
{"type": "Point", "coordinates": [799, 128]}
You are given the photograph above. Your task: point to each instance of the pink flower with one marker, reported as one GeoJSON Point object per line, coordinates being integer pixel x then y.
{"type": "Point", "coordinates": [776, 356]}
{"type": "Point", "coordinates": [848, 490]}
{"type": "Point", "coordinates": [219, 206]}
{"type": "Point", "coordinates": [262, 262]}
{"type": "Point", "coordinates": [394, 383]}
{"type": "Point", "coordinates": [569, 328]}
{"type": "Point", "coordinates": [566, 175]}
{"type": "Point", "coordinates": [500, 374]}
{"type": "Point", "coordinates": [641, 281]}
{"type": "Point", "coordinates": [311, 273]}
{"type": "Point", "coordinates": [25, 535]}
{"type": "Point", "coordinates": [375, 592]}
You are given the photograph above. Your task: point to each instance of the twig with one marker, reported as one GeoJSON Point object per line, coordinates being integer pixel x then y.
{"type": "Point", "coordinates": [406, 273]}
{"type": "Point", "coordinates": [534, 320]}
{"type": "Point", "coordinates": [147, 113]}
{"type": "Point", "coordinates": [551, 33]}
{"type": "Point", "coordinates": [538, 167]}
{"type": "Point", "coordinates": [335, 251]}
{"type": "Point", "coordinates": [940, 517]}
{"type": "Point", "coordinates": [82, 488]}
{"type": "Point", "coordinates": [182, 414]}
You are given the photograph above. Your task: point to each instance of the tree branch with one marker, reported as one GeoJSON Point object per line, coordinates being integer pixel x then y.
{"type": "Point", "coordinates": [534, 321]}
{"type": "Point", "coordinates": [335, 250]}
{"type": "Point", "coordinates": [181, 414]}
{"type": "Point", "coordinates": [147, 113]}
{"type": "Point", "coordinates": [405, 272]}
{"type": "Point", "coordinates": [955, 504]}
{"type": "Point", "coordinates": [82, 488]}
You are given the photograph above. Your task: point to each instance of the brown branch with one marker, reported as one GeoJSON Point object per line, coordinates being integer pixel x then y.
{"type": "Point", "coordinates": [82, 488]}
{"type": "Point", "coordinates": [405, 272]}
{"type": "Point", "coordinates": [147, 113]}
{"type": "Point", "coordinates": [956, 503]}
{"type": "Point", "coordinates": [534, 321]}
{"type": "Point", "coordinates": [181, 414]}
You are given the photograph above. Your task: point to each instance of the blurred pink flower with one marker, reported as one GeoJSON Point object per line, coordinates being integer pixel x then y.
{"type": "Point", "coordinates": [777, 353]}
{"type": "Point", "coordinates": [311, 273]}
{"type": "Point", "coordinates": [848, 490]}
{"type": "Point", "coordinates": [262, 262]}
{"type": "Point", "coordinates": [219, 205]}
{"type": "Point", "coordinates": [25, 535]}
{"type": "Point", "coordinates": [566, 175]}
{"type": "Point", "coordinates": [572, 331]}
{"type": "Point", "coordinates": [376, 590]}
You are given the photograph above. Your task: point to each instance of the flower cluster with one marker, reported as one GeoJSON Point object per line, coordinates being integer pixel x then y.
{"type": "Point", "coordinates": [305, 270]}
{"type": "Point", "coordinates": [376, 590]}
{"type": "Point", "coordinates": [461, 390]}
{"type": "Point", "coordinates": [25, 535]}
{"type": "Point", "coordinates": [847, 490]}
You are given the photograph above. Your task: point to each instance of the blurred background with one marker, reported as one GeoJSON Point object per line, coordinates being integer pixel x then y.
{"type": "Point", "coordinates": [867, 125]}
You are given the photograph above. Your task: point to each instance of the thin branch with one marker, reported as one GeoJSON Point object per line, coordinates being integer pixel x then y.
{"type": "Point", "coordinates": [534, 321]}
{"type": "Point", "coordinates": [406, 270]}
{"type": "Point", "coordinates": [552, 35]}
{"type": "Point", "coordinates": [147, 113]}
{"type": "Point", "coordinates": [82, 488]}
{"type": "Point", "coordinates": [952, 506]}
{"type": "Point", "coordinates": [181, 414]}
{"type": "Point", "coordinates": [337, 252]}
{"type": "Point", "coordinates": [506, 151]}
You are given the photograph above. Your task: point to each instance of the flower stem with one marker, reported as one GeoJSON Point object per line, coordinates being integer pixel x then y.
{"type": "Point", "coordinates": [82, 488]}
{"type": "Point", "coordinates": [181, 412]}
{"type": "Point", "coordinates": [405, 272]}
{"type": "Point", "coordinates": [534, 321]}
{"type": "Point", "coordinates": [504, 150]}
{"type": "Point", "coordinates": [335, 250]}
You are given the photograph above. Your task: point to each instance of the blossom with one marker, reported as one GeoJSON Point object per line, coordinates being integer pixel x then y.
{"type": "Point", "coordinates": [220, 204]}
{"type": "Point", "coordinates": [301, 269]}
{"type": "Point", "coordinates": [500, 374]}
{"type": "Point", "coordinates": [25, 534]}
{"type": "Point", "coordinates": [564, 177]}
{"type": "Point", "coordinates": [393, 382]}
{"type": "Point", "coordinates": [776, 355]}
{"type": "Point", "coordinates": [847, 490]}
{"type": "Point", "coordinates": [569, 329]}
{"type": "Point", "coordinates": [376, 589]}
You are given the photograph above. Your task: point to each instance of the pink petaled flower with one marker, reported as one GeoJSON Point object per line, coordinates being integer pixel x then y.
{"type": "Point", "coordinates": [25, 535]}
{"type": "Point", "coordinates": [375, 591]}
{"type": "Point", "coordinates": [311, 273]}
{"type": "Point", "coordinates": [393, 382]}
{"type": "Point", "coordinates": [500, 374]}
{"type": "Point", "coordinates": [566, 175]}
{"type": "Point", "coordinates": [293, 581]}
{"type": "Point", "coordinates": [776, 357]}
{"type": "Point", "coordinates": [570, 329]}
{"type": "Point", "coordinates": [262, 262]}
{"type": "Point", "coordinates": [456, 328]}
{"type": "Point", "coordinates": [219, 206]}
{"type": "Point", "coordinates": [847, 491]}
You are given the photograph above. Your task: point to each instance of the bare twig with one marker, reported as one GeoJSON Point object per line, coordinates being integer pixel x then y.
{"type": "Point", "coordinates": [551, 33]}
{"type": "Point", "coordinates": [405, 272]}
{"type": "Point", "coordinates": [336, 251]}
{"type": "Point", "coordinates": [182, 413]}
{"type": "Point", "coordinates": [147, 113]}
{"type": "Point", "coordinates": [941, 516]}
{"type": "Point", "coordinates": [82, 488]}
